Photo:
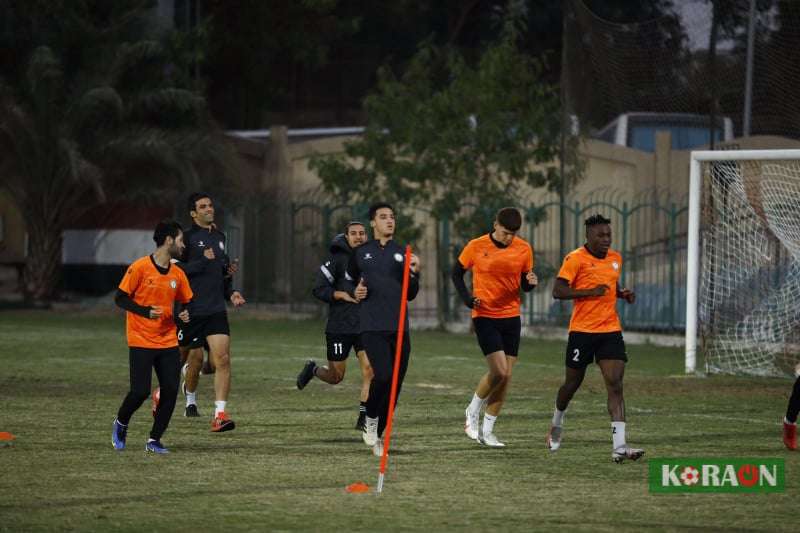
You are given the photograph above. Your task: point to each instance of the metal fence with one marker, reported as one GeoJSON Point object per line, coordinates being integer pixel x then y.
{"type": "Point", "coordinates": [281, 245]}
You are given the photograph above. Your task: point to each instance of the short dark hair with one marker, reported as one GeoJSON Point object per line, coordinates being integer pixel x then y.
{"type": "Point", "coordinates": [191, 204]}
{"type": "Point", "coordinates": [596, 220]}
{"type": "Point", "coordinates": [510, 218]}
{"type": "Point", "coordinates": [353, 223]}
{"type": "Point", "coordinates": [380, 205]}
{"type": "Point", "coordinates": [164, 229]}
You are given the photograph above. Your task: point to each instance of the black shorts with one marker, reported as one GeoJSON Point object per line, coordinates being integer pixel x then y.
{"type": "Point", "coordinates": [583, 348]}
{"type": "Point", "coordinates": [193, 334]}
{"type": "Point", "coordinates": [496, 334]}
{"type": "Point", "coordinates": [339, 345]}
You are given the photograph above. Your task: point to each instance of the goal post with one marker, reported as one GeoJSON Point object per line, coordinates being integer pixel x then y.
{"type": "Point", "coordinates": [743, 260]}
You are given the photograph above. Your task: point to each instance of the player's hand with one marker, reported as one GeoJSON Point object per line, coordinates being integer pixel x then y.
{"type": "Point", "coordinates": [415, 264]}
{"type": "Point", "coordinates": [209, 253]}
{"type": "Point", "coordinates": [476, 302]}
{"type": "Point", "coordinates": [155, 312]}
{"type": "Point", "coordinates": [600, 290]}
{"type": "Point", "coordinates": [237, 299]}
{"type": "Point", "coordinates": [361, 290]}
{"type": "Point", "coordinates": [233, 267]}
{"type": "Point", "coordinates": [184, 316]}
{"type": "Point", "coordinates": [344, 296]}
{"type": "Point", "coordinates": [531, 278]}
{"type": "Point", "coordinates": [627, 295]}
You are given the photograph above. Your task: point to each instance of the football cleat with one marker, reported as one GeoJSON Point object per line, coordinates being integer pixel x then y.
{"type": "Point", "coordinates": [626, 453]}
{"type": "Point", "coordinates": [377, 450]}
{"type": "Point", "coordinates": [222, 423]}
{"type": "Point", "coordinates": [118, 435]}
{"type": "Point", "coordinates": [472, 424]}
{"type": "Point", "coordinates": [306, 374]}
{"type": "Point", "coordinates": [156, 400]}
{"type": "Point", "coordinates": [489, 439]}
{"type": "Point", "coordinates": [370, 433]}
{"type": "Point", "coordinates": [790, 435]}
{"type": "Point", "coordinates": [191, 411]}
{"type": "Point", "coordinates": [155, 446]}
{"type": "Point", "coordinates": [553, 439]}
{"type": "Point", "coordinates": [362, 420]}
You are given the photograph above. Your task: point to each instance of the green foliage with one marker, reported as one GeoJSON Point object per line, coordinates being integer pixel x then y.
{"type": "Point", "coordinates": [447, 134]}
{"type": "Point", "coordinates": [93, 119]}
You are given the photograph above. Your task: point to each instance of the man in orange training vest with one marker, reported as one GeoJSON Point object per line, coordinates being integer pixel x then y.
{"type": "Point", "coordinates": [590, 277]}
{"type": "Point", "coordinates": [148, 292]}
{"type": "Point", "coordinates": [501, 264]}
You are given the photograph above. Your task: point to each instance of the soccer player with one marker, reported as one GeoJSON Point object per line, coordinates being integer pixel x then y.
{"type": "Point", "coordinates": [207, 266]}
{"type": "Point", "coordinates": [147, 292]}
{"type": "Point", "coordinates": [378, 266]}
{"type": "Point", "coordinates": [341, 331]}
{"type": "Point", "coordinates": [501, 264]}
{"type": "Point", "coordinates": [790, 420]}
{"type": "Point", "coordinates": [590, 277]}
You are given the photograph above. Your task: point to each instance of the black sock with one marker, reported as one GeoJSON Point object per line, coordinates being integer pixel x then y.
{"type": "Point", "coordinates": [794, 403]}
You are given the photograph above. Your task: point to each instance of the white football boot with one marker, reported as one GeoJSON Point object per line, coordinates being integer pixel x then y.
{"type": "Point", "coordinates": [489, 439]}
{"type": "Point", "coordinates": [553, 439]}
{"type": "Point", "coordinates": [626, 453]}
{"type": "Point", "coordinates": [370, 433]}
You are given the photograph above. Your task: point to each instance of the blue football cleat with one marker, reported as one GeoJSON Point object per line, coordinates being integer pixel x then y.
{"type": "Point", "coordinates": [155, 446]}
{"type": "Point", "coordinates": [118, 435]}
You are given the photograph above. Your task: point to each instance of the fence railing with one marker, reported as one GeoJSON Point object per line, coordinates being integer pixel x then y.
{"type": "Point", "coordinates": [282, 244]}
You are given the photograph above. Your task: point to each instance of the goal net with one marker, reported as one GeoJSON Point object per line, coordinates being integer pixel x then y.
{"type": "Point", "coordinates": [747, 235]}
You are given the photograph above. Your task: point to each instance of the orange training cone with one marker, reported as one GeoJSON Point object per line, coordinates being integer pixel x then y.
{"type": "Point", "coordinates": [358, 487]}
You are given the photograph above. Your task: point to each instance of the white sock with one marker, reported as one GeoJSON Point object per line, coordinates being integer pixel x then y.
{"type": "Point", "coordinates": [220, 406]}
{"type": "Point", "coordinates": [477, 403]}
{"type": "Point", "coordinates": [558, 417]}
{"type": "Point", "coordinates": [488, 423]}
{"type": "Point", "coordinates": [191, 398]}
{"type": "Point", "coordinates": [618, 434]}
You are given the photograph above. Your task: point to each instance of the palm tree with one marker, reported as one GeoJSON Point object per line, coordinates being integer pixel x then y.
{"type": "Point", "coordinates": [110, 129]}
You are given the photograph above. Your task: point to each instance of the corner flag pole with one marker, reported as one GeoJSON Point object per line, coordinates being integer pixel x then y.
{"type": "Point", "coordinates": [398, 350]}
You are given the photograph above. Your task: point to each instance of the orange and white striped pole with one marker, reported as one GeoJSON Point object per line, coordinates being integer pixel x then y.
{"type": "Point", "coordinates": [397, 354]}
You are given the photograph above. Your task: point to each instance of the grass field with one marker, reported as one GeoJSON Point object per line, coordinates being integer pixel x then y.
{"type": "Point", "coordinates": [62, 377]}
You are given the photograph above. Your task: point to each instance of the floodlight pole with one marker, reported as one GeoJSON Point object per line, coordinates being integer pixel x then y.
{"type": "Point", "coordinates": [748, 84]}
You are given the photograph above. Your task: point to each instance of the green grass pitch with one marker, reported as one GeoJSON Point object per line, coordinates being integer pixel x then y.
{"type": "Point", "coordinates": [285, 467]}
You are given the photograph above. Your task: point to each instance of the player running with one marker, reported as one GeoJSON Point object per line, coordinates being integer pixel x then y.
{"type": "Point", "coordinates": [378, 266]}
{"type": "Point", "coordinates": [590, 277]}
{"type": "Point", "coordinates": [147, 292]}
{"type": "Point", "coordinates": [208, 268]}
{"type": "Point", "coordinates": [341, 331]}
{"type": "Point", "coordinates": [501, 264]}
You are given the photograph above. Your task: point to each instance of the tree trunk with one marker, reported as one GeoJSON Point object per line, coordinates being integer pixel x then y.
{"type": "Point", "coordinates": [43, 263]}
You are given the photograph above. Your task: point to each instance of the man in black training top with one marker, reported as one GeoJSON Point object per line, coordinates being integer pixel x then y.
{"type": "Point", "coordinates": [341, 332]}
{"type": "Point", "coordinates": [378, 268]}
{"type": "Point", "coordinates": [206, 263]}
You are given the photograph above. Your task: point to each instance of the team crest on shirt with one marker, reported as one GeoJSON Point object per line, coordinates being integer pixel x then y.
{"type": "Point", "coordinates": [221, 245]}
{"type": "Point", "coordinates": [173, 284]}
{"type": "Point", "coordinates": [615, 265]}
{"type": "Point", "coordinates": [398, 258]}
{"type": "Point", "coordinates": [367, 256]}
{"type": "Point", "coordinates": [200, 244]}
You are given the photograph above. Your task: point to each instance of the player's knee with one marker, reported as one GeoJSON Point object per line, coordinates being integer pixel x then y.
{"type": "Point", "coordinates": [614, 386]}
{"type": "Point", "coordinates": [222, 361]}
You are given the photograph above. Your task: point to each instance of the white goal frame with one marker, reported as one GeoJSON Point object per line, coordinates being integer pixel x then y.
{"type": "Point", "coordinates": [693, 246]}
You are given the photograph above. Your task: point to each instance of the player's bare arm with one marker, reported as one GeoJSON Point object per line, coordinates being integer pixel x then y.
{"type": "Point", "coordinates": [562, 291]}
